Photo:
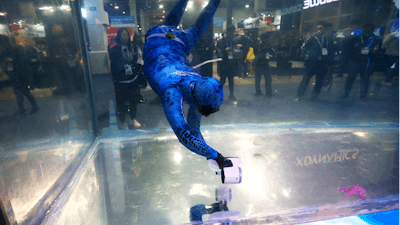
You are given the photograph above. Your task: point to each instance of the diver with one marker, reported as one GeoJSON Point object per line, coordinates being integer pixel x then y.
{"type": "Point", "coordinates": [176, 82]}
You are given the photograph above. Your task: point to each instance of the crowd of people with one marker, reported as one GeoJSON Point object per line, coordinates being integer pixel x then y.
{"type": "Point", "coordinates": [24, 67]}
{"type": "Point", "coordinates": [354, 55]}
{"type": "Point", "coordinates": [322, 53]}
{"type": "Point", "coordinates": [351, 54]}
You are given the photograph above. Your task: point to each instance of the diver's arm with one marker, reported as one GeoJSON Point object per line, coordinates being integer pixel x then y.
{"type": "Point", "coordinates": [174, 17]}
{"type": "Point", "coordinates": [194, 33]}
{"type": "Point", "coordinates": [172, 102]}
{"type": "Point", "coordinates": [194, 122]}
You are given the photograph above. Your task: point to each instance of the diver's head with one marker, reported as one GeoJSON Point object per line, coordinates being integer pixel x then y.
{"type": "Point", "coordinates": [208, 95]}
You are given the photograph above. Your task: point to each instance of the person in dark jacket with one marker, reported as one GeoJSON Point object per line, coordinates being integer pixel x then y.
{"type": "Point", "coordinates": [20, 73]}
{"type": "Point", "coordinates": [5, 50]}
{"type": "Point", "coordinates": [127, 82]}
{"type": "Point", "coordinates": [361, 52]}
{"type": "Point", "coordinates": [342, 47]}
{"type": "Point", "coordinates": [138, 46]}
{"type": "Point", "coordinates": [245, 43]}
{"type": "Point", "coordinates": [320, 53]}
{"type": "Point", "coordinates": [390, 45]}
{"type": "Point", "coordinates": [262, 51]}
{"type": "Point", "coordinates": [225, 50]}
{"type": "Point", "coordinates": [112, 41]}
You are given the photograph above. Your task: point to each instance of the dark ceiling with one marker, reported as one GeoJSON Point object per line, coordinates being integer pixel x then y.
{"type": "Point", "coordinates": [152, 8]}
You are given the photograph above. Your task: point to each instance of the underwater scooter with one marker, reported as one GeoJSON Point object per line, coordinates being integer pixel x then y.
{"type": "Point", "coordinates": [231, 173]}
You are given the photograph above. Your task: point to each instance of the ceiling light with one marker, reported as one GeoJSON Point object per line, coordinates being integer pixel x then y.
{"type": "Point", "coordinates": [46, 8]}
{"type": "Point", "coordinates": [247, 6]}
{"type": "Point", "coordinates": [161, 6]}
{"type": "Point", "coordinates": [123, 12]}
{"type": "Point", "coordinates": [190, 4]}
{"type": "Point", "coordinates": [65, 7]}
{"type": "Point", "coordinates": [116, 7]}
{"type": "Point", "coordinates": [84, 14]}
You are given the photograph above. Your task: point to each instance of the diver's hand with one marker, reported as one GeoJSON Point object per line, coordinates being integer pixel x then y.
{"type": "Point", "coordinates": [228, 49]}
{"type": "Point", "coordinates": [217, 207]}
{"type": "Point", "coordinates": [220, 160]}
{"type": "Point", "coordinates": [239, 46]}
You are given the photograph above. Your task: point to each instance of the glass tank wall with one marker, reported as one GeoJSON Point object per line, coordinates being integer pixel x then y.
{"type": "Point", "coordinates": [91, 110]}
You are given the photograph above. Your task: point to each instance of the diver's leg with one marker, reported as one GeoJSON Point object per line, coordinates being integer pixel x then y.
{"type": "Point", "coordinates": [174, 17]}
{"type": "Point", "coordinates": [194, 33]}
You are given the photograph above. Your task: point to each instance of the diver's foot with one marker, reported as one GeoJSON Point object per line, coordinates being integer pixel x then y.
{"type": "Point", "coordinates": [232, 97]}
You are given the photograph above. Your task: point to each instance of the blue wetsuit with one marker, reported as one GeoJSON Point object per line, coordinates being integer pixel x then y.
{"type": "Point", "coordinates": [175, 81]}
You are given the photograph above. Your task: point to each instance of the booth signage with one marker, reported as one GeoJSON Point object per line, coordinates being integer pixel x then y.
{"type": "Point", "coordinates": [293, 9]}
{"type": "Point", "coordinates": [219, 21]}
{"type": "Point", "coordinates": [313, 3]}
{"type": "Point", "coordinates": [122, 21]}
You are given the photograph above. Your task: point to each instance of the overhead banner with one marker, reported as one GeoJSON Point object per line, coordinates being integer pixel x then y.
{"type": "Point", "coordinates": [122, 21]}
{"type": "Point", "coordinates": [293, 9]}
{"type": "Point", "coordinates": [314, 3]}
{"type": "Point", "coordinates": [219, 21]}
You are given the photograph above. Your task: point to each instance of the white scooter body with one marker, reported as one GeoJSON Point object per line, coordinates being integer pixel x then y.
{"type": "Point", "coordinates": [232, 174]}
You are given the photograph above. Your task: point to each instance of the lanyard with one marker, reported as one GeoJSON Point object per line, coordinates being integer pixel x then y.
{"type": "Point", "coordinates": [126, 54]}
{"type": "Point", "coordinates": [140, 54]}
{"type": "Point", "coordinates": [369, 42]}
{"type": "Point", "coordinates": [228, 45]}
{"type": "Point", "coordinates": [324, 41]}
